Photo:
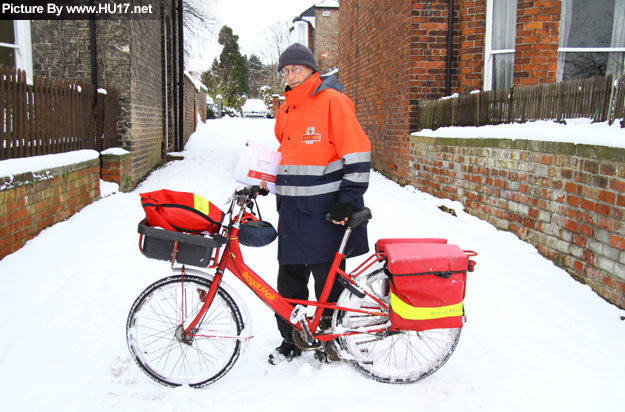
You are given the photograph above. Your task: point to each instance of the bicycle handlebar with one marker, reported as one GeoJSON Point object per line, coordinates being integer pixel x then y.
{"type": "Point", "coordinates": [360, 217]}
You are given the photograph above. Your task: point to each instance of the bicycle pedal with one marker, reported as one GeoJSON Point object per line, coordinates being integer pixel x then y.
{"type": "Point", "coordinates": [332, 355]}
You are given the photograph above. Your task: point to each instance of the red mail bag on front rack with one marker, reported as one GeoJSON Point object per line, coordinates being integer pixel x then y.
{"type": "Point", "coordinates": [427, 285]}
{"type": "Point", "coordinates": [181, 211]}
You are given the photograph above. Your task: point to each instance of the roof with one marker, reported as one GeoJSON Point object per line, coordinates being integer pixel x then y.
{"type": "Point", "coordinates": [310, 12]}
{"type": "Point", "coordinates": [326, 4]}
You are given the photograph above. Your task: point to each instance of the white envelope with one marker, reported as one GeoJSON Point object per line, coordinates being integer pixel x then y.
{"type": "Point", "coordinates": [257, 163]}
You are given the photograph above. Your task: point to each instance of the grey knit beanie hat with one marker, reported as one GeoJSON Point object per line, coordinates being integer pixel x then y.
{"type": "Point", "coordinates": [297, 54]}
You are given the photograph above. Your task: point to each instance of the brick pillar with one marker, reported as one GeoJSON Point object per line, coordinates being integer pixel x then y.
{"type": "Point", "coordinates": [117, 167]}
{"type": "Point", "coordinates": [538, 31]}
{"type": "Point", "coordinates": [275, 104]}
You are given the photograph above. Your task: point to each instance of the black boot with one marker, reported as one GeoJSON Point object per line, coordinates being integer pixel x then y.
{"type": "Point", "coordinates": [286, 351]}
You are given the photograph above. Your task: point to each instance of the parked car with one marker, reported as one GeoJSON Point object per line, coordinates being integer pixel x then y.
{"type": "Point", "coordinates": [254, 108]}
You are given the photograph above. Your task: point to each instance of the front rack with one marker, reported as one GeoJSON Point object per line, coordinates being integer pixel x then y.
{"type": "Point", "coordinates": [186, 249]}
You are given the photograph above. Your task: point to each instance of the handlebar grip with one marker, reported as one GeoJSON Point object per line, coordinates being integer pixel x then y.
{"type": "Point", "coordinates": [359, 217]}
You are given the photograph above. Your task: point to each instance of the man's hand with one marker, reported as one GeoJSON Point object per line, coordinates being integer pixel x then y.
{"type": "Point", "coordinates": [264, 189]}
{"type": "Point", "coordinates": [341, 212]}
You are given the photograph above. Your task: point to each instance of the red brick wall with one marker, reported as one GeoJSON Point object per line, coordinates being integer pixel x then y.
{"type": "Point", "coordinates": [568, 200]}
{"type": "Point", "coordinates": [538, 31]}
{"type": "Point", "coordinates": [311, 38]}
{"type": "Point", "coordinates": [29, 207]}
{"type": "Point", "coordinates": [471, 26]}
{"type": "Point", "coordinates": [391, 54]}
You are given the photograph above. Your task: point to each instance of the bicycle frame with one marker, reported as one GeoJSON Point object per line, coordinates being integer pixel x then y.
{"type": "Point", "coordinates": [289, 309]}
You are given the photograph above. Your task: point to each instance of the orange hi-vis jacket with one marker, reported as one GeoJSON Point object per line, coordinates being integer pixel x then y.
{"type": "Point", "coordinates": [326, 159]}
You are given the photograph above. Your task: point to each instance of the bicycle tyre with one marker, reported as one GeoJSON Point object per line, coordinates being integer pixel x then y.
{"type": "Point", "coordinates": [154, 338]}
{"type": "Point", "coordinates": [390, 357]}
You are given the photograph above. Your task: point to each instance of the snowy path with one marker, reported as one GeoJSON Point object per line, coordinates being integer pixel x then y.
{"type": "Point", "coordinates": [536, 340]}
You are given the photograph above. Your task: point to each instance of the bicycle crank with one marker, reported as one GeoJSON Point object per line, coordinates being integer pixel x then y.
{"type": "Point", "coordinates": [302, 342]}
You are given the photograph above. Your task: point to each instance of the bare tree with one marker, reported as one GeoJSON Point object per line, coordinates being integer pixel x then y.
{"type": "Point", "coordinates": [200, 26]}
{"type": "Point", "coordinates": [271, 42]}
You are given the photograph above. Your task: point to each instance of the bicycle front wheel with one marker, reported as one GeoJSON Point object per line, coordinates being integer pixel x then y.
{"type": "Point", "coordinates": [389, 356]}
{"type": "Point", "coordinates": [159, 346]}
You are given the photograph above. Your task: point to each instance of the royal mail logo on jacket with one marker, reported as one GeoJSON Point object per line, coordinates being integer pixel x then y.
{"type": "Point", "coordinates": [311, 137]}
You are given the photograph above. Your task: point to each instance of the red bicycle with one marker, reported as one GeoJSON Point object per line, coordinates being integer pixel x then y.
{"type": "Point", "coordinates": [190, 328]}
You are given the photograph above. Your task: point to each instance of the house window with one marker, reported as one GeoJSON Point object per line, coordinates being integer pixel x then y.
{"type": "Point", "coordinates": [300, 34]}
{"type": "Point", "coordinates": [500, 43]}
{"type": "Point", "coordinates": [16, 46]}
{"type": "Point", "coordinates": [592, 38]}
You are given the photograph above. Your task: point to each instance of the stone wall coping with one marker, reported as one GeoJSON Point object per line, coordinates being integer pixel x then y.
{"type": "Point", "coordinates": [116, 156]}
{"type": "Point", "coordinates": [115, 151]}
{"type": "Point", "coordinates": [24, 178]}
{"type": "Point", "coordinates": [561, 148]}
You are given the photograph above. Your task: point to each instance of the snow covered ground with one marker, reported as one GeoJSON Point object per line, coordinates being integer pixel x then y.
{"type": "Point", "coordinates": [535, 339]}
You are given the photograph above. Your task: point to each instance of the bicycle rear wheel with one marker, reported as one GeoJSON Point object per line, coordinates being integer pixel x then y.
{"type": "Point", "coordinates": [390, 356]}
{"type": "Point", "coordinates": [160, 348]}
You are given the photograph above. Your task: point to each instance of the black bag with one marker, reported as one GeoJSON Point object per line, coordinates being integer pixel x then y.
{"type": "Point", "coordinates": [257, 233]}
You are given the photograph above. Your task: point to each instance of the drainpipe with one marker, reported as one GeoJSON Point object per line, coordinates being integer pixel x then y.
{"type": "Point", "coordinates": [164, 150]}
{"type": "Point", "coordinates": [94, 67]}
{"type": "Point", "coordinates": [174, 43]}
{"type": "Point", "coordinates": [181, 74]}
{"type": "Point", "coordinates": [450, 35]}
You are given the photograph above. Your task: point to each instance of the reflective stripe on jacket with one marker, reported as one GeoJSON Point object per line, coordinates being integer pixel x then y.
{"type": "Point", "coordinates": [326, 159]}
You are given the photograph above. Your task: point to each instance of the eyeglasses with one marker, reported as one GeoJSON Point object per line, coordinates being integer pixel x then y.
{"type": "Point", "coordinates": [294, 70]}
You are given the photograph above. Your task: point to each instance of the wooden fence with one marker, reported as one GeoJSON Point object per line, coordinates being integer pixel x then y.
{"type": "Point", "coordinates": [599, 98]}
{"type": "Point", "coordinates": [53, 116]}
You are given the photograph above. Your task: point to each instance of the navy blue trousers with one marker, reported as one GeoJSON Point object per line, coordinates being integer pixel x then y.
{"type": "Point", "coordinates": [293, 284]}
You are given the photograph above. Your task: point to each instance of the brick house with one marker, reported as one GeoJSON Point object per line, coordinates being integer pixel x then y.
{"type": "Point", "coordinates": [394, 53]}
{"type": "Point", "coordinates": [317, 28]}
{"type": "Point", "coordinates": [566, 199]}
{"type": "Point", "coordinates": [137, 56]}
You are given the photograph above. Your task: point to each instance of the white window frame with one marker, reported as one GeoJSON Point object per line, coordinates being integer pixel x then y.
{"type": "Point", "coordinates": [489, 53]}
{"type": "Point", "coordinates": [300, 32]}
{"type": "Point", "coordinates": [562, 49]}
{"type": "Point", "coordinates": [23, 48]}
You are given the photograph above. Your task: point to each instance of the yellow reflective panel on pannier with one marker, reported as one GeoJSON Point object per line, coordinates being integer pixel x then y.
{"type": "Point", "coordinates": [407, 311]}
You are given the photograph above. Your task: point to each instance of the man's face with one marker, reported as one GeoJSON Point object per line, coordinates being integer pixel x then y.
{"type": "Point", "coordinates": [294, 78]}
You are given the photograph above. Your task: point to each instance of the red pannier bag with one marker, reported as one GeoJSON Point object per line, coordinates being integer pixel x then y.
{"type": "Point", "coordinates": [379, 245]}
{"type": "Point", "coordinates": [181, 211]}
{"type": "Point", "coordinates": [427, 285]}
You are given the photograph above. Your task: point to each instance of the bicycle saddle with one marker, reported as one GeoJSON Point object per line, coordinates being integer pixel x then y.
{"type": "Point", "coordinates": [359, 217]}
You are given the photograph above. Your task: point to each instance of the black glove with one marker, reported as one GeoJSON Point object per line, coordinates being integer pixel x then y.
{"type": "Point", "coordinates": [256, 190]}
{"type": "Point", "coordinates": [341, 212]}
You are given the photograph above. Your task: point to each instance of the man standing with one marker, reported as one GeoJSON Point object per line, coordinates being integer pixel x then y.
{"type": "Point", "coordinates": [326, 158]}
